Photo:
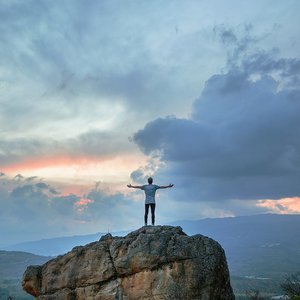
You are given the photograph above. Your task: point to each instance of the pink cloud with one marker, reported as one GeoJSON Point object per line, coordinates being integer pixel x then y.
{"type": "Point", "coordinates": [83, 202]}
{"type": "Point", "coordinates": [42, 162]}
{"type": "Point", "coordinates": [281, 206]}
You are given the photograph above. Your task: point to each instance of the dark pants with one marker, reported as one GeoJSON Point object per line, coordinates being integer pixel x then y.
{"type": "Point", "coordinates": [152, 205]}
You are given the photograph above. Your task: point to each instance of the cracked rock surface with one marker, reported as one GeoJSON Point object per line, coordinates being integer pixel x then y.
{"type": "Point", "coordinates": [157, 262]}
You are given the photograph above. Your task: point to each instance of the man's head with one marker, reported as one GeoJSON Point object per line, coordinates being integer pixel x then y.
{"type": "Point", "coordinates": [150, 180]}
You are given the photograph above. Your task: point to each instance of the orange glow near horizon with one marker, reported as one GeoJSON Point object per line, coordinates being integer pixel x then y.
{"type": "Point", "coordinates": [77, 175]}
{"type": "Point", "coordinates": [282, 206]}
{"type": "Point", "coordinates": [83, 202]}
{"type": "Point", "coordinates": [51, 161]}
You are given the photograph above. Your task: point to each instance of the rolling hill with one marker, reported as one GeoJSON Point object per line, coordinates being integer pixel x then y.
{"type": "Point", "coordinates": [14, 263]}
{"type": "Point", "coordinates": [12, 267]}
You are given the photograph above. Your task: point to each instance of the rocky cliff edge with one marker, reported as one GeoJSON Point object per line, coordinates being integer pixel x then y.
{"type": "Point", "coordinates": [153, 262]}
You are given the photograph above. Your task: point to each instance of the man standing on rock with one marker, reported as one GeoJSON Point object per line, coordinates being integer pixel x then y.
{"type": "Point", "coordinates": [150, 190]}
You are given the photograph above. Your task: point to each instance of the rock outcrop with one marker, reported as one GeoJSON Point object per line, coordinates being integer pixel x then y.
{"type": "Point", "coordinates": [157, 262]}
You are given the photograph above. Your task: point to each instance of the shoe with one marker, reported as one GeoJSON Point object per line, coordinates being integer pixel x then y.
{"type": "Point", "coordinates": [145, 224]}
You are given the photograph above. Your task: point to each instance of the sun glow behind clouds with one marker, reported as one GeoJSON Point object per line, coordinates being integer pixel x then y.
{"type": "Point", "coordinates": [282, 206]}
{"type": "Point", "coordinates": [79, 171]}
{"type": "Point", "coordinates": [82, 204]}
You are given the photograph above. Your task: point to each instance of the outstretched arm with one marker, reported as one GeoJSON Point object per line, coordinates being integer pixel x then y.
{"type": "Point", "coordinates": [134, 186]}
{"type": "Point", "coordinates": [166, 186]}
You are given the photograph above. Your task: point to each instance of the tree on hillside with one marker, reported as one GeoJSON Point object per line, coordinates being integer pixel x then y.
{"type": "Point", "coordinates": [254, 295]}
{"type": "Point", "coordinates": [291, 286]}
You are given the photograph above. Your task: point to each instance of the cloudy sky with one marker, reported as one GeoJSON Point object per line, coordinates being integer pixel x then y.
{"type": "Point", "coordinates": [98, 94]}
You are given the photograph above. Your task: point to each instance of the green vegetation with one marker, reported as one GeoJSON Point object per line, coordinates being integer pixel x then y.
{"type": "Point", "coordinates": [12, 266]}
{"type": "Point", "coordinates": [12, 288]}
{"type": "Point", "coordinates": [271, 261]}
{"type": "Point", "coordinates": [243, 286]}
{"type": "Point", "coordinates": [14, 263]}
{"type": "Point", "coordinates": [291, 286]}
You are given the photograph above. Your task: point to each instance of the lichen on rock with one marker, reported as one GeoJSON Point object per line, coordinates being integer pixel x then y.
{"type": "Point", "coordinates": [153, 262]}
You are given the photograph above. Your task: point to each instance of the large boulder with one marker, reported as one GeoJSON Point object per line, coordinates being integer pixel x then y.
{"type": "Point", "coordinates": [154, 262]}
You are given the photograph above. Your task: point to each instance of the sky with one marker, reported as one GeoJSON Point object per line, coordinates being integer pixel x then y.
{"type": "Point", "coordinates": [95, 95]}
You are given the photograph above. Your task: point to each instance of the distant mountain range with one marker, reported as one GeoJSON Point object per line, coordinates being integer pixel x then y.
{"type": "Point", "coordinates": [58, 246]}
{"type": "Point", "coordinates": [262, 246]}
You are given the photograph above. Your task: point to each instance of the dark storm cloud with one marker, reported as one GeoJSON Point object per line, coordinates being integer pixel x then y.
{"type": "Point", "coordinates": [287, 69]}
{"type": "Point", "coordinates": [242, 140]}
{"type": "Point", "coordinates": [267, 62]}
{"type": "Point", "coordinates": [237, 42]}
{"type": "Point", "coordinates": [13, 150]}
{"type": "Point", "coordinates": [97, 144]}
{"type": "Point", "coordinates": [243, 57]}
{"type": "Point", "coordinates": [111, 208]}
